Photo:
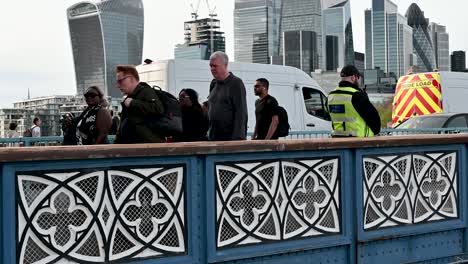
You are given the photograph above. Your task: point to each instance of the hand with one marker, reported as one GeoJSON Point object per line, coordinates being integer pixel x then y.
{"type": "Point", "coordinates": [127, 101]}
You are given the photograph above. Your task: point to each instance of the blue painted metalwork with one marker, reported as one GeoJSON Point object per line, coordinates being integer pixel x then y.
{"type": "Point", "coordinates": [318, 202]}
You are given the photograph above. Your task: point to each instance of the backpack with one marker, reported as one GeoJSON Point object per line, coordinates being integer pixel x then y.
{"type": "Point", "coordinates": [170, 122]}
{"type": "Point", "coordinates": [28, 132]}
{"type": "Point", "coordinates": [283, 125]}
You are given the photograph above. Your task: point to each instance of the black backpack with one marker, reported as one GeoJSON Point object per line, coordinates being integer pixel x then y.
{"type": "Point", "coordinates": [283, 125]}
{"type": "Point", "coordinates": [28, 132]}
{"type": "Point", "coordinates": [170, 122]}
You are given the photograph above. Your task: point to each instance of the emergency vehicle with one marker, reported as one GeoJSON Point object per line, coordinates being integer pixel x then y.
{"type": "Point", "coordinates": [429, 93]}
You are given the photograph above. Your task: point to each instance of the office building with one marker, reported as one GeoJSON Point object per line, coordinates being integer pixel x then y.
{"type": "Point", "coordinates": [306, 16]}
{"type": "Point", "coordinates": [256, 30]}
{"type": "Point", "coordinates": [338, 44]}
{"type": "Point", "coordinates": [458, 61]}
{"type": "Point", "coordinates": [440, 41]}
{"type": "Point", "coordinates": [388, 39]}
{"type": "Point", "coordinates": [422, 40]}
{"type": "Point", "coordinates": [199, 34]}
{"type": "Point", "coordinates": [359, 61]}
{"type": "Point", "coordinates": [103, 35]}
{"type": "Point", "coordinates": [22, 117]}
{"type": "Point", "coordinates": [300, 50]}
{"type": "Point", "coordinates": [47, 109]}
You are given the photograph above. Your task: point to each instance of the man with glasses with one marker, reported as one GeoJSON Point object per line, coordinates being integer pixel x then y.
{"type": "Point", "coordinates": [352, 113]}
{"type": "Point", "coordinates": [140, 104]}
{"type": "Point", "coordinates": [266, 112]}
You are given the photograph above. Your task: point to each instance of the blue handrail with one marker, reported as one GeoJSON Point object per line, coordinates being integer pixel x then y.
{"type": "Point", "coordinates": [306, 134]}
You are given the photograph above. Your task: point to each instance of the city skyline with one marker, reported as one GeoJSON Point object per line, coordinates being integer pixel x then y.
{"type": "Point", "coordinates": [45, 64]}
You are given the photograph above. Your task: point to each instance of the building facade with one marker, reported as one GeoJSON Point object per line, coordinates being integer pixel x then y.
{"type": "Point", "coordinates": [458, 61]}
{"type": "Point", "coordinates": [422, 40]}
{"type": "Point", "coordinates": [103, 35]}
{"type": "Point", "coordinates": [300, 50]}
{"type": "Point", "coordinates": [22, 117]}
{"type": "Point", "coordinates": [256, 30]}
{"type": "Point", "coordinates": [336, 22]}
{"type": "Point", "coordinates": [303, 15]}
{"type": "Point", "coordinates": [47, 109]}
{"type": "Point", "coordinates": [441, 43]}
{"type": "Point", "coordinates": [199, 34]}
{"type": "Point", "coordinates": [388, 39]}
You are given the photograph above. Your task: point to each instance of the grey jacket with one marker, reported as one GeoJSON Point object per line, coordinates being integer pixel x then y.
{"type": "Point", "coordinates": [227, 109]}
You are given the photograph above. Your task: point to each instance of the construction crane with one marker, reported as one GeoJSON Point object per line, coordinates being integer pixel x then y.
{"type": "Point", "coordinates": [212, 14]}
{"type": "Point", "coordinates": [194, 13]}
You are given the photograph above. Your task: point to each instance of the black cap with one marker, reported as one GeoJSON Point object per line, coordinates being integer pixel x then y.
{"type": "Point", "coordinates": [349, 70]}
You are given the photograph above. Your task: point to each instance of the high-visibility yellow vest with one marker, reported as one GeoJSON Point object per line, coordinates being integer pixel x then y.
{"type": "Point", "coordinates": [346, 121]}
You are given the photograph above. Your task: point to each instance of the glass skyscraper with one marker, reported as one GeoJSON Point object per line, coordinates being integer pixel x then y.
{"type": "Point", "coordinates": [336, 22]}
{"type": "Point", "coordinates": [422, 40]}
{"type": "Point", "coordinates": [300, 49]}
{"type": "Point", "coordinates": [303, 15]}
{"type": "Point", "coordinates": [388, 40]}
{"type": "Point", "coordinates": [440, 41]}
{"type": "Point", "coordinates": [256, 30]}
{"type": "Point", "coordinates": [103, 35]}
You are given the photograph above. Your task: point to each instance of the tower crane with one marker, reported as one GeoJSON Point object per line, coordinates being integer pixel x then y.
{"type": "Point", "coordinates": [194, 13]}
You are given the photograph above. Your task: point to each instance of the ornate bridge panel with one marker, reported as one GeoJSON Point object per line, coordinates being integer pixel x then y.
{"type": "Point", "coordinates": [110, 215]}
{"type": "Point", "coordinates": [409, 189]}
{"type": "Point", "coordinates": [272, 201]}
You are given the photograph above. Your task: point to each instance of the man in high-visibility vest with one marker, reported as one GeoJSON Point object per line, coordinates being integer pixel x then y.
{"type": "Point", "coordinates": [352, 114]}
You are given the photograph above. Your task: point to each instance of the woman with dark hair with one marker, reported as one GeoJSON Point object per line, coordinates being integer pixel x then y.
{"type": "Point", "coordinates": [94, 123]}
{"type": "Point", "coordinates": [194, 122]}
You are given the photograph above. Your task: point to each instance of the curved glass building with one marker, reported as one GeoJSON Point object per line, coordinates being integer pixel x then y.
{"type": "Point", "coordinates": [103, 35]}
{"type": "Point", "coordinates": [422, 41]}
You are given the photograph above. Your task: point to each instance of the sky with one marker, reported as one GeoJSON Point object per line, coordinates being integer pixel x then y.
{"type": "Point", "coordinates": [35, 49]}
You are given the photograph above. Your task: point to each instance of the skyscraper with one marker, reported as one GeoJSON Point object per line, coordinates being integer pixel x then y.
{"type": "Point", "coordinates": [336, 22]}
{"type": "Point", "coordinates": [103, 35]}
{"type": "Point", "coordinates": [440, 41]}
{"type": "Point", "coordinates": [388, 39]}
{"type": "Point", "coordinates": [198, 36]}
{"type": "Point", "coordinates": [300, 49]}
{"type": "Point", "coordinates": [458, 61]}
{"type": "Point", "coordinates": [256, 30]}
{"type": "Point", "coordinates": [303, 15]}
{"type": "Point", "coordinates": [422, 40]}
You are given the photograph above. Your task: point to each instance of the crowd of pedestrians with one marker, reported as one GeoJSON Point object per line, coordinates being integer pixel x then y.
{"type": "Point", "coordinates": [222, 117]}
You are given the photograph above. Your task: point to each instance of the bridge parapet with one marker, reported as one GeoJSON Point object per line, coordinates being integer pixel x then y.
{"type": "Point", "coordinates": [385, 200]}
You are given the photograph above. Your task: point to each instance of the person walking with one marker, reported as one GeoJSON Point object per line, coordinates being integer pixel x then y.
{"type": "Point", "coordinates": [352, 114]}
{"type": "Point", "coordinates": [140, 104]}
{"type": "Point", "coordinates": [94, 123]}
{"type": "Point", "coordinates": [194, 121]}
{"type": "Point", "coordinates": [266, 115]}
{"type": "Point", "coordinates": [227, 106]}
{"type": "Point", "coordinates": [13, 133]}
{"type": "Point", "coordinates": [36, 127]}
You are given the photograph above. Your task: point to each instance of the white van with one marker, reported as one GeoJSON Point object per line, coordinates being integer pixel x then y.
{"type": "Point", "coordinates": [297, 92]}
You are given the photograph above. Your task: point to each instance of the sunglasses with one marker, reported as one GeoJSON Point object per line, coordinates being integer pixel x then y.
{"type": "Point", "coordinates": [119, 81]}
{"type": "Point", "coordinates": [90, 95]}
{"type": "Point", "coordinates": [258, 86]}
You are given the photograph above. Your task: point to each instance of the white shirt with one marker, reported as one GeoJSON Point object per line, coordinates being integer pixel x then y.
{"type": "Point", "coordinates": [36, 131]}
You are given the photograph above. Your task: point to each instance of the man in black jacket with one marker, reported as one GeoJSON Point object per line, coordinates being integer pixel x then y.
{"type": "Point", "coordinates": [141, 103]}
{"type": "Point", "coordinates": [227, 106]}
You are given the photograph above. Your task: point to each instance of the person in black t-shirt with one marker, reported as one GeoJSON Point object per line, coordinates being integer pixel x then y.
{"type": "Point", "coordinates": [266, 112]}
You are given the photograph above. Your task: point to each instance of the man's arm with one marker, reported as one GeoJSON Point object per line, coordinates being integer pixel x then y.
{"type": "Point", "coordinates": [273, 127]}
{"type": "Point", "coordinates": [240, 111]}
{"type": "Point", "coordinates": [367, 111]}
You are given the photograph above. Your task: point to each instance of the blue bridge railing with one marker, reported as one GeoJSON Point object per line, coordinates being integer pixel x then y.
{"type": "Point", "coordinates": [306, 134]}
{"type": "Point", "coordinates": [378, 200]}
